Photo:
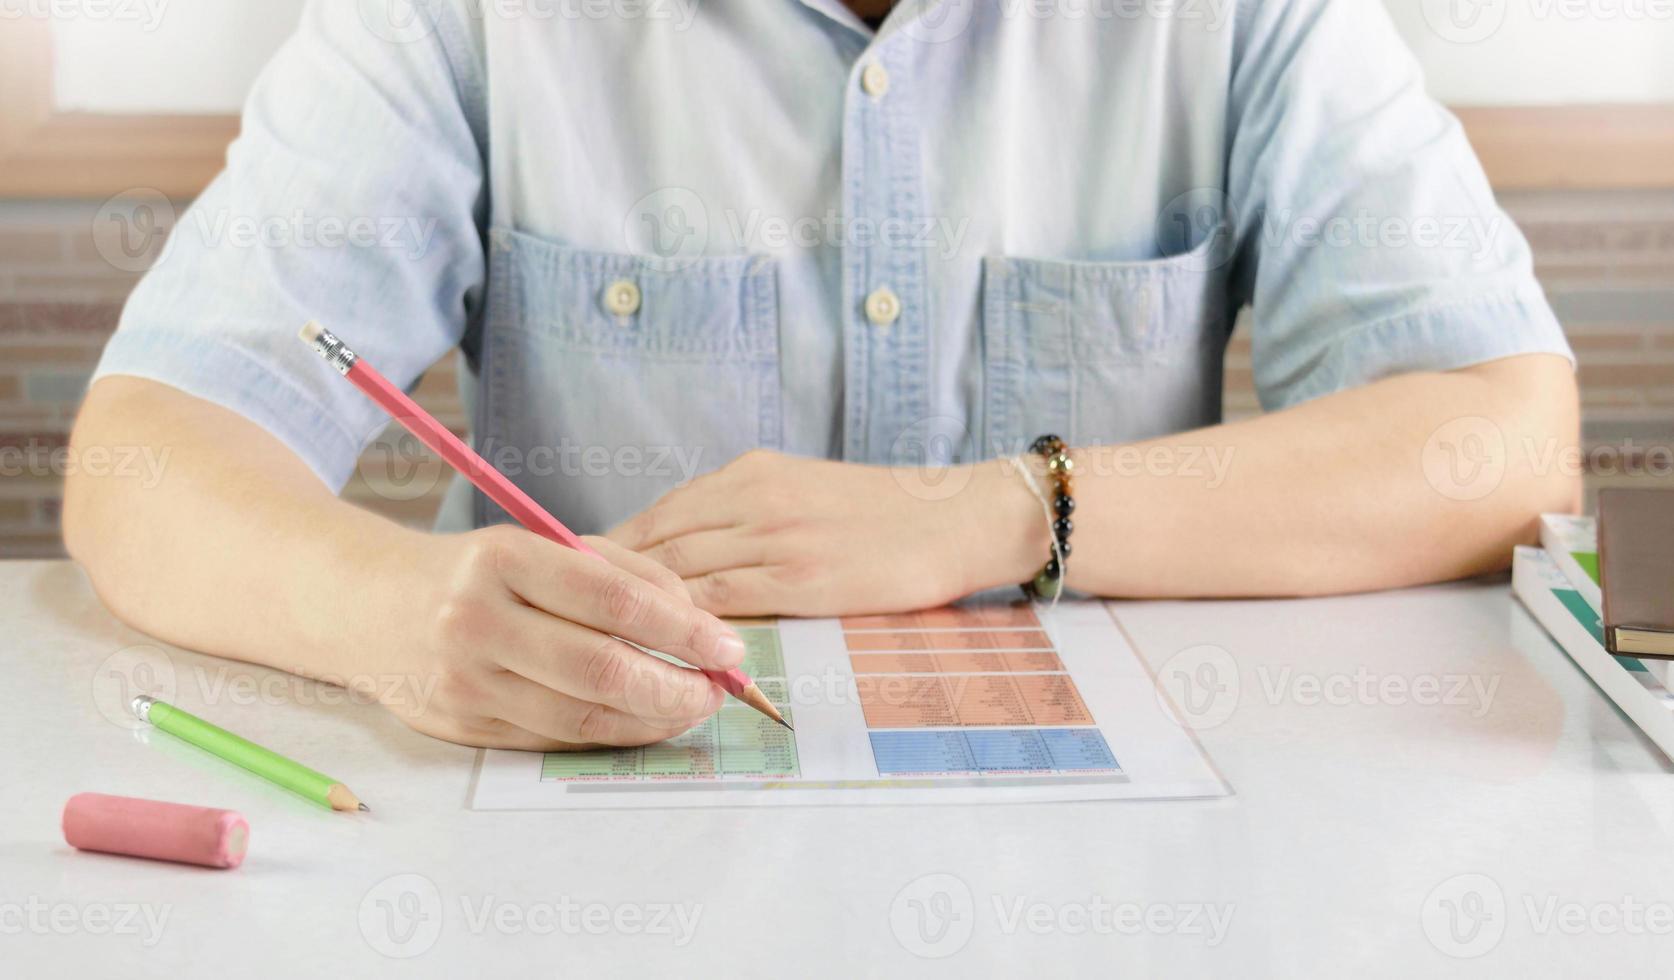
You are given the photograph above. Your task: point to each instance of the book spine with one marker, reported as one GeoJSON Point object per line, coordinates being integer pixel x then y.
{"type": "Point", "coordinates": [1535, 576]}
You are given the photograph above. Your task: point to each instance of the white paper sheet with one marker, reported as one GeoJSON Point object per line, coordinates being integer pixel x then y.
{"type": "Point", "coordinates": [984, 702]}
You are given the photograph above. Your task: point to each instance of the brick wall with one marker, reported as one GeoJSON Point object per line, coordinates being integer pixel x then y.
{"type": "Point", "coordinates": [1606, 260]}
{"type": "Point", "coordinates": [59, 301]}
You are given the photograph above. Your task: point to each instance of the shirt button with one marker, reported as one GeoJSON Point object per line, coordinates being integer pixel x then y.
{"type": "Point", "coordinates": [883, 307]}
{"type": "Point", "coordinates": [622, 298]}
{"type": "Point", "coordinates": [875, 80]}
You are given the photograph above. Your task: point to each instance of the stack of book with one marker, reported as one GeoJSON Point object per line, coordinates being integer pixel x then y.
{"type": "Point", "coordinates": [1560, 584]}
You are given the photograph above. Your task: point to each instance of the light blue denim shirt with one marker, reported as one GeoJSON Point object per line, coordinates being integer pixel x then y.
{"type": "Point", "coordinates": [663, 232]}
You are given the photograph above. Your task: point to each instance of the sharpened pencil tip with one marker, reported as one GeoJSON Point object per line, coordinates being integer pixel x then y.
{"type": "Point", "coordinates": [784, 723]}
{"type": "Point", "coordinates": [366, 808]}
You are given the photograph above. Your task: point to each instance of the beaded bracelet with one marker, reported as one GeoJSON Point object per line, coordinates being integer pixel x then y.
{"type": "Point", "coordinates": [1049, 583]}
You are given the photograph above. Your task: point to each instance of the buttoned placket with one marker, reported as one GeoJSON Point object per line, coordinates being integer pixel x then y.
{"type": "Point", "coordinates": [885, 293]}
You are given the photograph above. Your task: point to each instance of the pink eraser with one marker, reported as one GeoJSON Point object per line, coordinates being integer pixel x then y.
{"type": "Point", "coordinates": [154, 829]}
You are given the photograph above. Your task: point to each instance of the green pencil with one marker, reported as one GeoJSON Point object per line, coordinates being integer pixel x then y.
{"type": "Point", "coordinates": [267, 764]}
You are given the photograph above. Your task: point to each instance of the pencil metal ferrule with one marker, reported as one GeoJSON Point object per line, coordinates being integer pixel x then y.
{"type": "Point", "coordinates": [141, 706]}
{"type": "Point", "coordinates": [335, 351]}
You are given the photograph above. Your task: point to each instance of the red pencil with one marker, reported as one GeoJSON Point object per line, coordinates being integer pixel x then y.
{"type": "Point", "coordinates": [489, 480]}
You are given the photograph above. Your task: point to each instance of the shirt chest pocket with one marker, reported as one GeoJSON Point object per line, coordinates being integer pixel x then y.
{"type": "Point", "coordinates": [609, 379]}
{"type": "Point", "coordinates": [1102, 352]}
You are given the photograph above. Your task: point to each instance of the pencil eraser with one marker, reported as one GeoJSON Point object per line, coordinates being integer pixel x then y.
{"type": "Point", "coordinates": [154, 829]}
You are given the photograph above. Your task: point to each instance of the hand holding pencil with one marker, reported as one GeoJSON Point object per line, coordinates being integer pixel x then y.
{"type": "Point", "coordinates": [606, 692]}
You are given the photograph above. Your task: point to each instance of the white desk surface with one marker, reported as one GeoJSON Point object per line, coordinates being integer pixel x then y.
{"type": "Point", "coordinates": [1537, 835]}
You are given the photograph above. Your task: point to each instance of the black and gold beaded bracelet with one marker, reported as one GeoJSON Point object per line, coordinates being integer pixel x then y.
{"type": "Point", "coordinates": [1050, 581]}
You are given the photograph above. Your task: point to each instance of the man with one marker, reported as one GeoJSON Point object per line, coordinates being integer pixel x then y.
{"type": "Point", "coordinates": [854, 274]}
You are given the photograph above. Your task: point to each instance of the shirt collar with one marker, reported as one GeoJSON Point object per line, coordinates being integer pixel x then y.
{"type": "Point", "coordinates": [902, 13]}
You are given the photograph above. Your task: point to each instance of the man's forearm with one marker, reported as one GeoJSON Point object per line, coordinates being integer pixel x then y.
{"type": "Point", "coordinates": [496, 637]}
{"type": "Point", "coordinates": [237, 548]}
{"type": "Point", "coordinates": [1417, 478]}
